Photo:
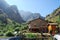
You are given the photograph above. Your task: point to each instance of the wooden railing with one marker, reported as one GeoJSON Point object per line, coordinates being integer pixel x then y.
{"type": "Point", "coordinates": [42, 38]}
{"type": "Point", "coordinates": [46, 37]}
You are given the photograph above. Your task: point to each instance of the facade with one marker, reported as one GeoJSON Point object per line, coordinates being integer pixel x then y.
{"type": "Point", "coordinates": [38, 25]}
{"type": "Point", "coordinates": [52, 28]}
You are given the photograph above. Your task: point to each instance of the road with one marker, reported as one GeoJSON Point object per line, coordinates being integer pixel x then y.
{"type": "Point", "coordinates": [11, 38]}
{"type": "Point", "coordinates": [4, 38]}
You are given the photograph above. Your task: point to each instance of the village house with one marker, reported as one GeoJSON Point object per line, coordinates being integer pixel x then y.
{"type": "Point", "coordinates": [52, 28]}
{"type": "Point", "coordinates": [38, 25]}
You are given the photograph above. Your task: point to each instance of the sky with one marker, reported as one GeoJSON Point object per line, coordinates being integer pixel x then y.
{"type": "Point", "coordinates": [44, 7]}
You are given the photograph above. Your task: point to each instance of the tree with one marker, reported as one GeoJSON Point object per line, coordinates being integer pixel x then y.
{"type": "Point", "coordinates": [17, 29]}
{"type": "Point", "coordinates": [9, 34]}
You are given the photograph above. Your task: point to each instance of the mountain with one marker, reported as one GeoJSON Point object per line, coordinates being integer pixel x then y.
{"type": "Point", "coordinates": [11, 11]}
{"type": "Point", "coordinates": [27, 16]}
{"type": "Point", "coordinates": [34, 16]}
{"type": "Point", "coordinates": [14, 14]}
{"type": "Point", "coordinates": [3, 5]}
{"type": "Point", "coordinates": [6, 24]}
{"type": "Point", "coordinates": [54, 16]}
{"type": "Point", "coordinates": [3, 17]}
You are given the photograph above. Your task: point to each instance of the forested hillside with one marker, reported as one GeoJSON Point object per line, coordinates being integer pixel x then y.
{"type": "Point", "coordinates": [54, 17]}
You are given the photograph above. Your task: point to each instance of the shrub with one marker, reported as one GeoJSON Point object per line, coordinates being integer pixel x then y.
{"type": "Point", "coordinates": [30, 36]}
{"type": "Point", "coordinates": [9, 34]}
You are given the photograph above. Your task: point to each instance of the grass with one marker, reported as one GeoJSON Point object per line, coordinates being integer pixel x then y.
{"type": "Point", "coordinates": [3, 36]}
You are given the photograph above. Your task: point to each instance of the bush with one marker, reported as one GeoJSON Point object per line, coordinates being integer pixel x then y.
{"type": "Point", "coordinates": [9, 34]}
{"type": "Point", "coordinates": [30, 36]}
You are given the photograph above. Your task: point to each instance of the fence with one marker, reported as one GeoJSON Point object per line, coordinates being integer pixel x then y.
{"type": "Point", "coordinates": [45, 36]}
{"type": "Point", "coordinates": [42, 38]}
{"type": "Point", "coordinates": [23, 38]}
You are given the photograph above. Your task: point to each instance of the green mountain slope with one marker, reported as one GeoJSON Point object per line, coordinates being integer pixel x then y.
{"type": "Point", "coordinates": [54, 17]}
{"type": "Point", "coordinates": [7, 25]}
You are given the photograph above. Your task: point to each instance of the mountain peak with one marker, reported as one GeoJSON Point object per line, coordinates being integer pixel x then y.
{"type": "Point", "coordinates": [11, 11]}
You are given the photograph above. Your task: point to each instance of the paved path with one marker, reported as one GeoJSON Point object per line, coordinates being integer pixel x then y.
{"type": "Point", "coordinates": [4, 38]}
{"type": "Point", "coordinates": [11, 38]}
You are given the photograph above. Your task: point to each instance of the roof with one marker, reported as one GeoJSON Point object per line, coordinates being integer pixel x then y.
{"type": "Point", "coordinates": [36, 19]}
{"type": "Point", "coordinates": [53, 23]}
